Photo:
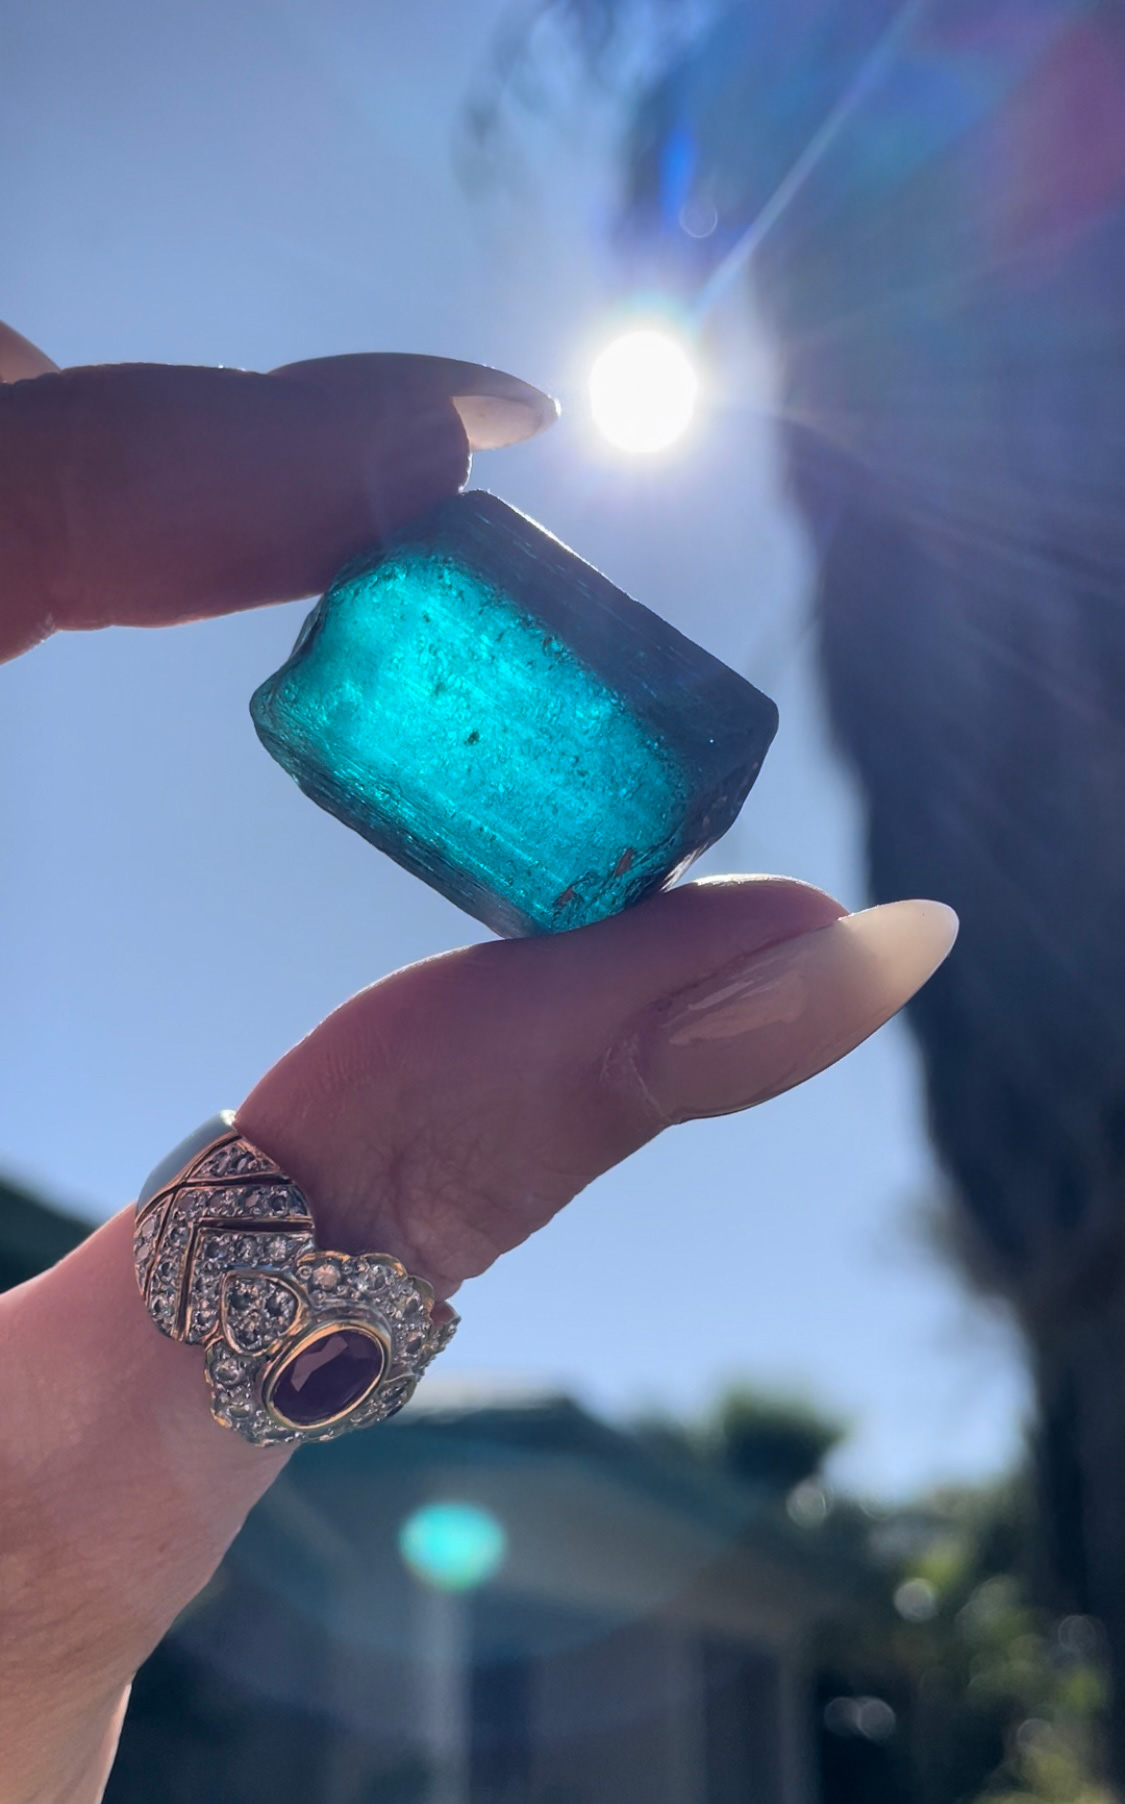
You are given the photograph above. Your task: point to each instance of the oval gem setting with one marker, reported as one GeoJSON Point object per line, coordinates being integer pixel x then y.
{"type": "Point", "coordinates": [327, 1376]}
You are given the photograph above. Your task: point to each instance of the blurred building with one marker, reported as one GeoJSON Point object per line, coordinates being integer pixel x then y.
{"type": "Point", "coordinates": [496, 1600]}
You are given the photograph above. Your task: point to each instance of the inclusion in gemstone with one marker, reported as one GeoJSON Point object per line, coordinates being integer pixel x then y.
{"type": "Point", "coordinates": [327, 1376]}
{"type": "Point", "coordinates": [493, 713]}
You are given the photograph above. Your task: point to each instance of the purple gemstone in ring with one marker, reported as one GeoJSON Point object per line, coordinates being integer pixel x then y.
{"type": "Point", "coordinates": [328, 1376]}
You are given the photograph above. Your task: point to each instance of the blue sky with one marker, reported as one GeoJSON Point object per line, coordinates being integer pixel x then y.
{"type": "Point", "coordinates": [249, 184]}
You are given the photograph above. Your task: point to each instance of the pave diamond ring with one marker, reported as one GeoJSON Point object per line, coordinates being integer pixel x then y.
{"type": "Point", "coordinates": [299, 1344]}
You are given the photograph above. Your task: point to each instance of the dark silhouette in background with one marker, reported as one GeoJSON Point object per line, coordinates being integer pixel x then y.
{"type": "Point", "coordinates": [930, 202]}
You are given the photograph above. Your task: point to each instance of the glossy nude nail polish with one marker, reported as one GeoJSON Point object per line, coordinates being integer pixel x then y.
{"type": "Point", "coordinates": [788, 1011]}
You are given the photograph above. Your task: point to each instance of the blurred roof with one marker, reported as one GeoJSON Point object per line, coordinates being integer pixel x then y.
{"type": "Point", "coordinates": [595, 1516]}
{"type": "Point", "coordinates": [33, 1234]}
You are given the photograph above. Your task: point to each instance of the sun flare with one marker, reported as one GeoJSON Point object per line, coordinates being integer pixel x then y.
{"type": "Point", "coordinates": [643, 390]}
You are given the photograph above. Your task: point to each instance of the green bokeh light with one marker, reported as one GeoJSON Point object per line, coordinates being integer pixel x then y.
{"type": "Point", "coordinates": [452, 1546]}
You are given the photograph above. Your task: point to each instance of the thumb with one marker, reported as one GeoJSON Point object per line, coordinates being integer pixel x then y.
{"type": "Point", "coordinates": [451, 1110]}
{"type": "Point", "coordinates": [441, 1116]}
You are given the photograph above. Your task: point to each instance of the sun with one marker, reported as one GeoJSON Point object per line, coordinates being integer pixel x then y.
{"type": "Point", "coordinates": [643, 389]}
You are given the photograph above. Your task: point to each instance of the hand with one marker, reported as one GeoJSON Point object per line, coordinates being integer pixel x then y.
{"type": "Point", "coordinates": [442, 1115]}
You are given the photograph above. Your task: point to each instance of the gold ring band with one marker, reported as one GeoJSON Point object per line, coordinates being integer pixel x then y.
{"type": "Point", "coordinates": [300, 1343]}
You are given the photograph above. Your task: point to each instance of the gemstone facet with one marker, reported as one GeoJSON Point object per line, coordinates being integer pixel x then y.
{"type": "Point", "coordinates": [491, 711]}
{"type": "Point", "coordinates": [327, 1376]}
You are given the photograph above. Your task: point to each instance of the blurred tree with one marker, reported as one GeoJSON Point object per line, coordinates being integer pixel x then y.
{"type": "Point", "coordinates": [989, 1697]}
{"type": "Point", "coordinates": [930, 201]}
{"type": "Point", "coordinates": [944, 1683]}
{"type": "Point", "coordinates": [1003, 1700]}
{"type": "Point", "coordinates": [761, 1439]}
{"type": "Point", "coordinates": [772, 1441]}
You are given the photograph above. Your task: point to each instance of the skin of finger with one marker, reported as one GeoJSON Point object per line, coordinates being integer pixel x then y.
{"type": "Point", "coordinates": [71, 1762]}
{"type": "Point", "coordinates": [119, 1496]}
{"type": "Point", "coordinates": [148, 494]}
{"type": "Point", "coordinates": [497, 409]}
{"type": "Point", "coordinates": [448, 1112]}
{"type": "Point", "coordinates": [442, 1115]}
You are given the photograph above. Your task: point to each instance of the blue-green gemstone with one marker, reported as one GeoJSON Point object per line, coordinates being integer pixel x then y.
{"type": "Point", "coordinates": [488, 709]}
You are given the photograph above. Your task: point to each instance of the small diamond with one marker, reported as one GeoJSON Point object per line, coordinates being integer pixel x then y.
{"type": "Point", "coordinates": [258, 1308]}
{"type": "Point", "coordinates": [277, 1248]}
{"type": "Point", "coordinates": [326, 1276]}
{"type": "Point", "coordinates": [232, 1160]}
{"type": "Point", "coordinates": [240, 1408]}
{"type": "Point", "coordinates": [392, 1399]}
{"type": "Point", "coordinates": [247, 1249]}
{"type": "Point", "coordinates": [227, 1371]}
{"type": "Point", "coordinates": [177, 1236]}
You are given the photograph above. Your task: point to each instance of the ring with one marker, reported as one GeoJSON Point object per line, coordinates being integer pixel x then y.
{"type": "Point", "coordinates": [300, 1344]}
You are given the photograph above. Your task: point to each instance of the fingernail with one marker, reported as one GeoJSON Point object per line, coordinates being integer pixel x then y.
{"type": "Point", "coordinates": [761, 1026]}
{"type": "Point", "coordinates": [493, 421]}
{"type": "Point", "coordinates": [495, 408]}
{"type": "Point", "coordinates": [20, 359]}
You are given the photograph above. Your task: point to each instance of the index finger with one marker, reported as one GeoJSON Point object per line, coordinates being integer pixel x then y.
{"type": "Point", "coordinates": [143, 494]}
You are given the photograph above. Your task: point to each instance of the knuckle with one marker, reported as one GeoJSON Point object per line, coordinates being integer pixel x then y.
{"type": "Point", "coordinates": [457, 1200]}
{"type": "Point", "coordinates": [626, 1094]}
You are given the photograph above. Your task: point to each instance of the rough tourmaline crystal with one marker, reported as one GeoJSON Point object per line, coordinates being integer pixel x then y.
{"type": "Point", "coordinates": [488, 709]}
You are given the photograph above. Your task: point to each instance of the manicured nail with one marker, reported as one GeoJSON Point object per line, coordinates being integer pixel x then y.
{"type": "Point", "coordinates": [20, 359]}
{"type": "Point", "coordinates": [492, 421]}
{"type": "Point", "coordinates": [495, 408]}
{"type": "Point", "coordinates": [780, 1016]}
